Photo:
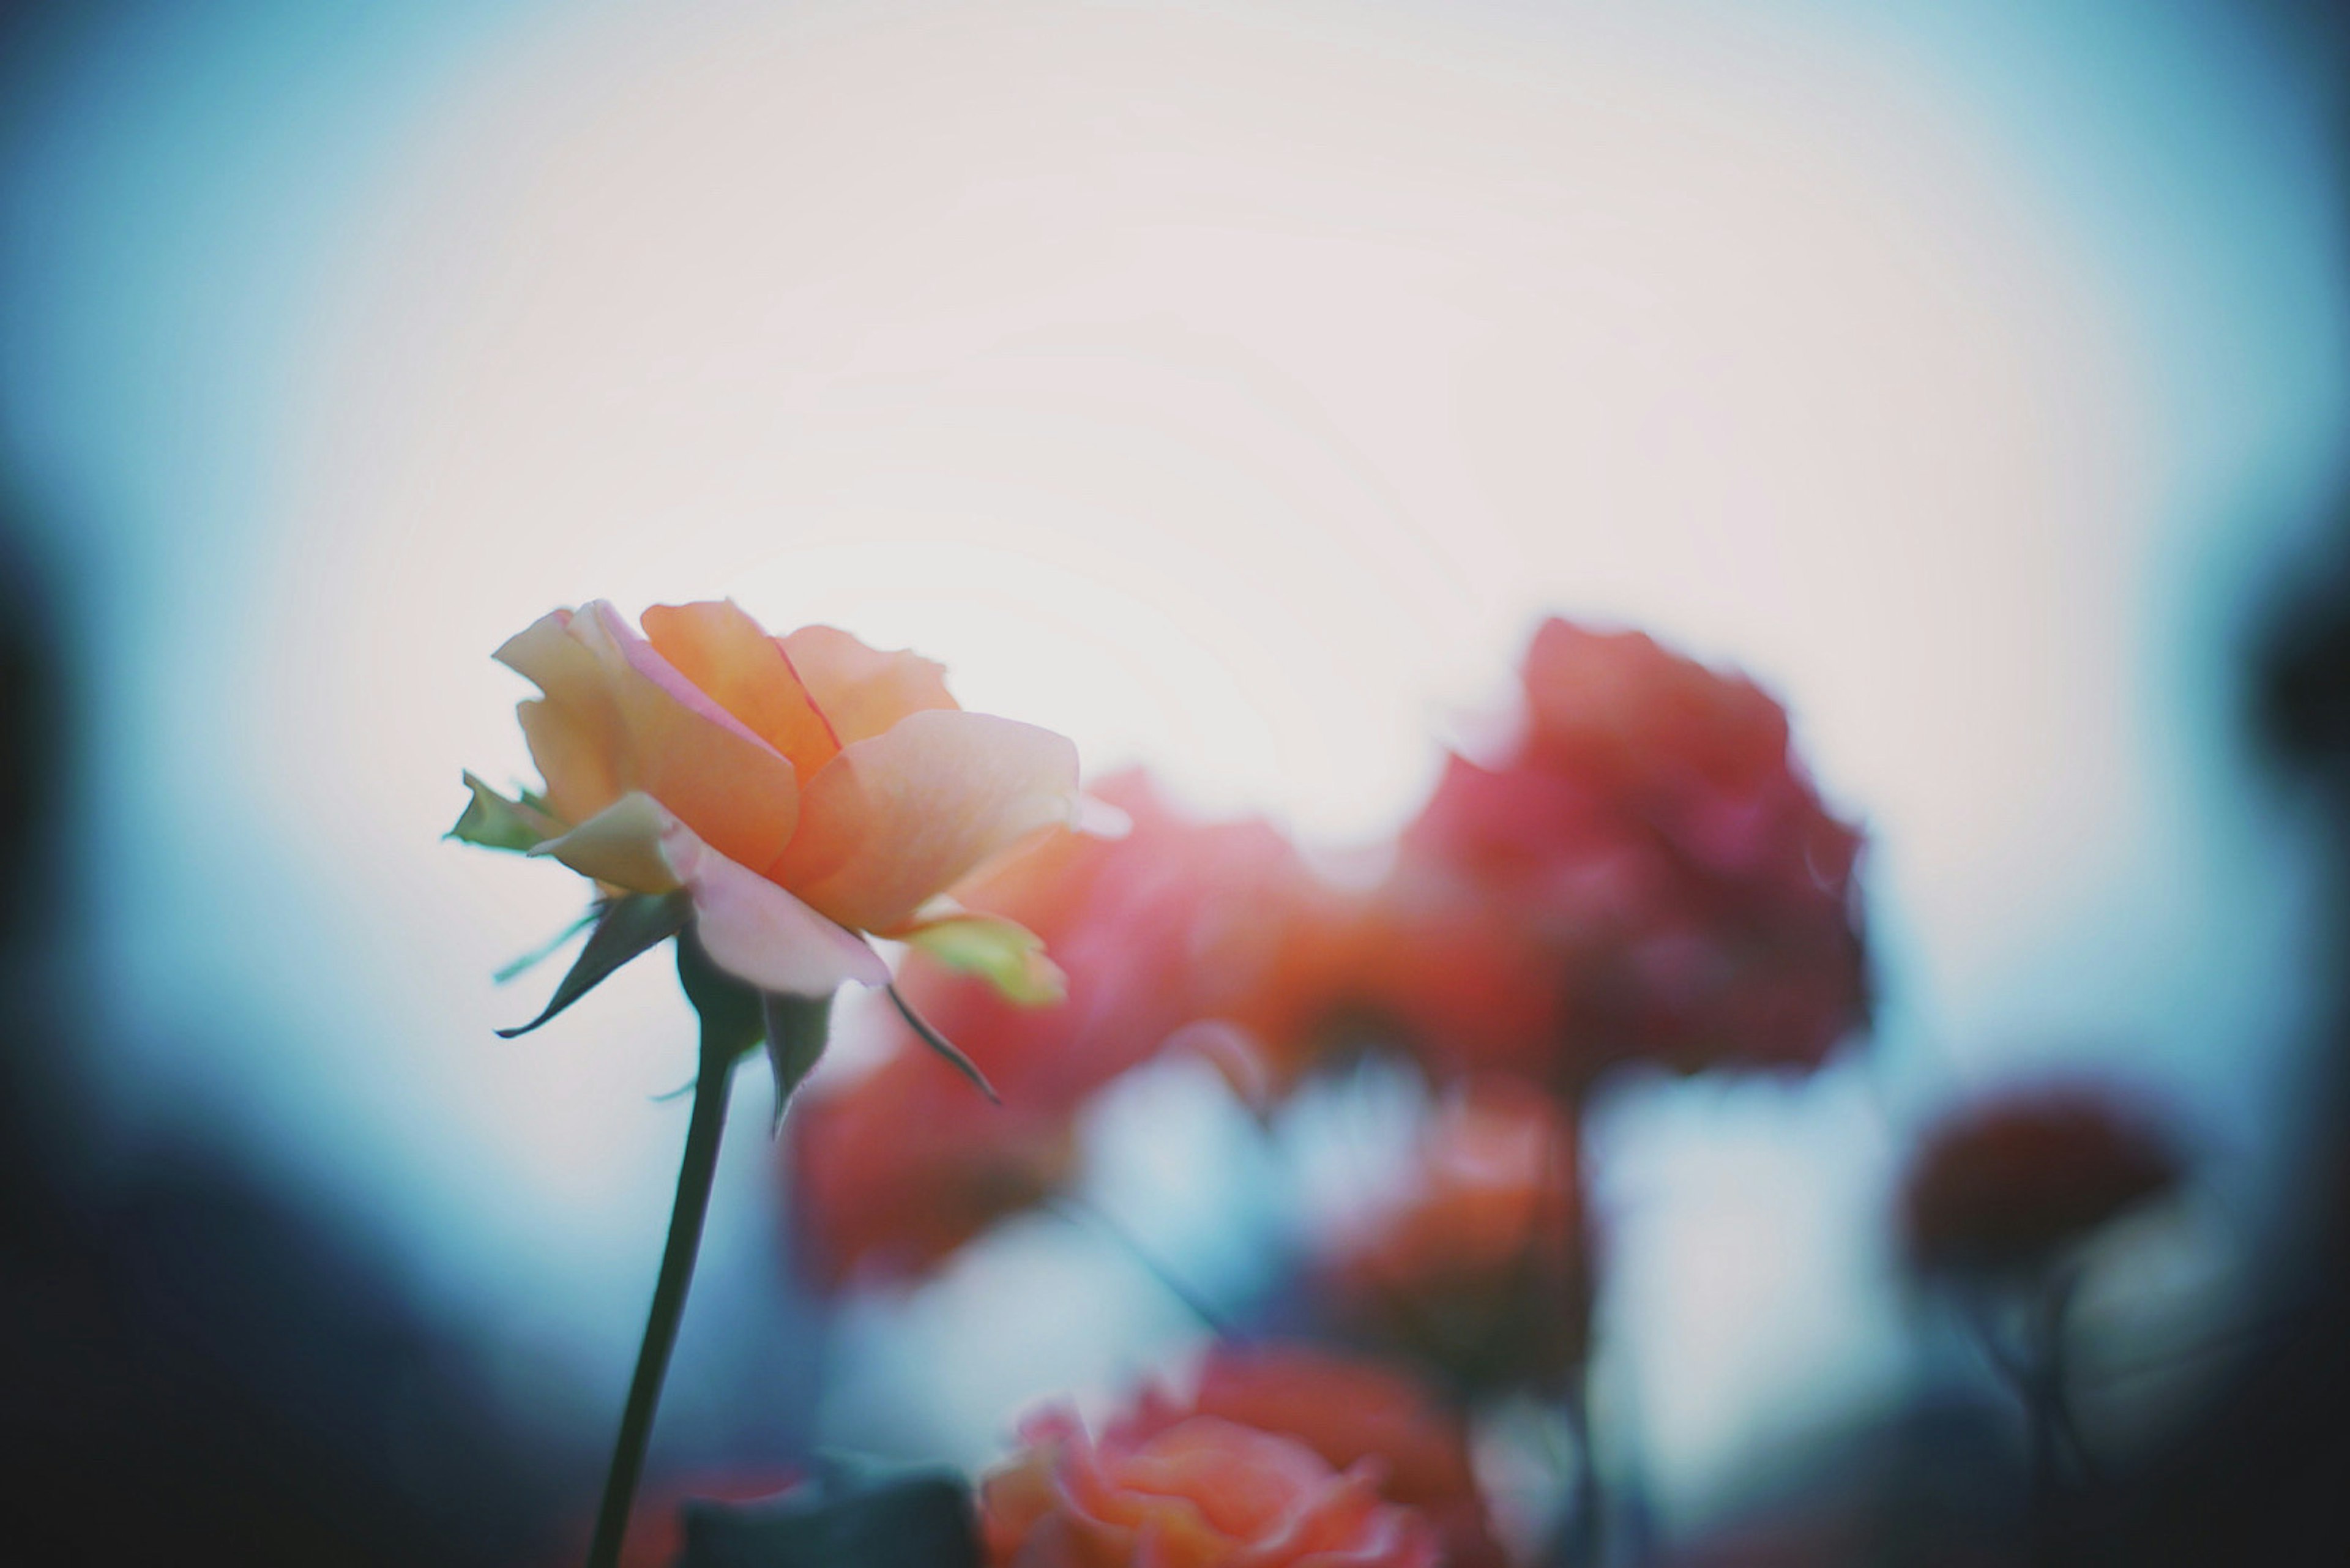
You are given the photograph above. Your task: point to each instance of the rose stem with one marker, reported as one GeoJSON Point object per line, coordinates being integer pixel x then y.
{"type": "Point", "coordinates": [694, 1178]}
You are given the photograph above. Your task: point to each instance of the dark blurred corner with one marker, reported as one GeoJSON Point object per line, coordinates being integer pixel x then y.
{"type": "Point", "coordinates": [193, 1369]}
{"type": "Point", "coordinates": [2264, 1475]}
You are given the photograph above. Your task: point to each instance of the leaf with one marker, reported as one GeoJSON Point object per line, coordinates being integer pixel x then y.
{"type": "Point", "coordinates": [943, 1045]}
{"type": "Point", "coordinates": [1007, 955]}
{"type": "Point", "coordinates": [922, 1519]}
{"type": "Point", "coordinates": [797, 1027]}
{"type": "Point", "coordinates": [494, 822]}
{"type": "Point", "coordinates": [628, 925]}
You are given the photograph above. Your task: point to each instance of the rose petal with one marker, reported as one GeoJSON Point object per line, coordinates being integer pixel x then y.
{"type": "Point", "coordinates": [897, 819]}
{"type": "Point", "coordinates": [757, 932]}
{"type": "Point", "coordinates": [581, 764]}
{"type": "Point", "coordinates": [864, 692]}
{"type": "Point", "coordinates": [735, 791]}
{"type": "Point", "coordinates": [621, 845]}
{"type": "Point", "coordinates": [728, 657]}
{"type": "Point", "coordinates": [574, 733]}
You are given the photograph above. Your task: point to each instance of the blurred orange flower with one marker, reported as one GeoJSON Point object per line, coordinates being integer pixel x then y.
{"type": "Point", "coordinates": [1482, 1268]}
{"type": "Point", "coordinates": [1647, 874]}
{"type": "Point", "coordinates": [1200, 1492]}
{"type": "Point", "coordinates": [1174, 923]}
{"type": "Point", "coordinates": [802, 789]}
{"type": "Point", "coordinates": [2003, 1185]}
{"type": "Point", "coordinates": [1347, 1411]}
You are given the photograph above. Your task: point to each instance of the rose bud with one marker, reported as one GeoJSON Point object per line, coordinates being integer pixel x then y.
{"type": "Point", "coordinates": [2002, 1186]}
{"type": "Point", "coordinates": [1480, 1270]}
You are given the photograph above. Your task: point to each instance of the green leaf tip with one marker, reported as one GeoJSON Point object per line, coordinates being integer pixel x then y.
{"type": "Point", "coordinates": [494, 822]}
{"type": "Point", "coordinates": [1007, 955]}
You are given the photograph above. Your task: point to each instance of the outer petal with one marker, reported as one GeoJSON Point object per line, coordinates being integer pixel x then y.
{"type": "Point", "coordinates": [755, 931]}
{"type": "Point", "coordinates": [621, 845]}
{"type": "Point", "coordinates": [897, 819]}
{"type": "Point", "coordinates": [730, 658]}
{"type": "Point", "coordinates": [734, 790]}
{"type": "Point", "coordinates": [574, 731]}
{"type": "Point", "coordinates": [582, 764]}
{"type": "Point", "coordinates": [864, 692]}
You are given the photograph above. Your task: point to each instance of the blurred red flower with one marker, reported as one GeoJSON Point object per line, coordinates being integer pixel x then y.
{"type": "Point", "coordinates": [2001, 1184]}
{"type": "Point", "coordinates": [1482, 1270]}
{"type": "Point", "coordinates": [1199, 1492]}
{"type": "Point", "coordinates": [1647, 874]}
{"type": "Point", "coordinates": [1174, 923]}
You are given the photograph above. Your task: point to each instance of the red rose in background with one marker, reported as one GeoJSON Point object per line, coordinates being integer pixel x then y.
{"type": "Point", "coordinates": [1648, 873]}
{"type": "Point", "coordinates": [2003, 1185]}
{"type": "Point", "coordinates": [892, 1174]}
{"type": "Point", "coordinates": [1200, 1492]}
{"type": "Point", "coordinates": [1346, 1411]}
{"type": "Point", "coordinates": [1482, 1270]}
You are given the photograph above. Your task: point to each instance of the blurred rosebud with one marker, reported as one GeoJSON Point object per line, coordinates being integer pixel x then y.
{"type": "Point", "coordinates": [2003, 1185]}
{"type": "Point", "coordinates": [1480, 1270]}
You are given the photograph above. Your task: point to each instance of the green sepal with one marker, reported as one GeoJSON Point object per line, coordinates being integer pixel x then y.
{"type": "Point", "coordinates": [945, 1048]}
{"type": "Point", "coordinates": [797, 1027]}
{"type": "Point", "coordinates": [737, 1015]}
{"type": "Point", "coordinates": [494, 822]}
{"type": "Point", "coordinates": [627, 926]}
{"type": "Point", "coordinates": [732, 1019]}
{"type": "Point", "coordinates": [1004, 953]}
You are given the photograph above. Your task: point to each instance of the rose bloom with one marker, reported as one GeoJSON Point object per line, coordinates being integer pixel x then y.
{"type": "Point", "coordinates": [1200, 1492]}
{"type": "Point", "coordinates": [1480, 1270]}
{"type": "Point", "coordinates": [1647, 870]}
{"type": "Point", "coordinates": [1346, 1411]}
{"type": "Point", "coordinates": [1174, 923]}
{"type": "Point", "coordinates": [802, 789]}
{"type": "Point", "coordinates": [2002, 1186]}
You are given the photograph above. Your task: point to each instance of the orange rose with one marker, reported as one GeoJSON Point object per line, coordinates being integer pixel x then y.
{"type": "Point", "coordinates": [802, 790]}
{"type": "Point", "coordinates": [1199, 1493]}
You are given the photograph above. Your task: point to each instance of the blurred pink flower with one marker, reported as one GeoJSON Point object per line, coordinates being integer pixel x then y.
{"type": "Point", "coordinates": [1346, 1410]}
{"type": "Point", "coordinates": [1200, 1492]}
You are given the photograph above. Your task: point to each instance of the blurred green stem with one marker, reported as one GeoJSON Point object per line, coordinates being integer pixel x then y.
{"type": "Point", "coordinates": [694, 1180]}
